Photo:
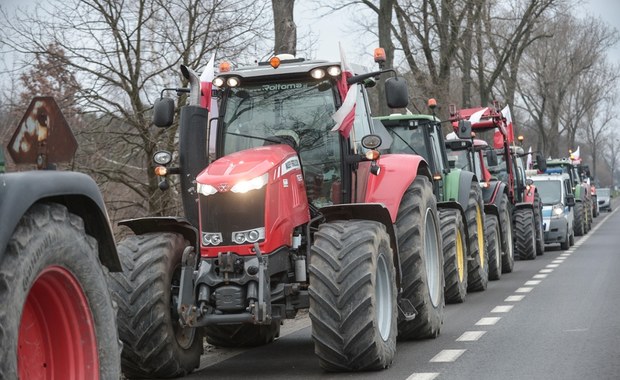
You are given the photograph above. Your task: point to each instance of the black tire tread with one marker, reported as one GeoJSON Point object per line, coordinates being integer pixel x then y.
{"type": "Point", "coordinates": [525, 239]}
{"type": "Point", "coordinates": [451, 221]}
{"type": "Point", "coordinates": [478, 271]}
{"type": "Point", "coordinates": [493, 247]}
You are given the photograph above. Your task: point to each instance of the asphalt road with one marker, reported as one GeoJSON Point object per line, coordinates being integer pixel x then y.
{"type": "Point", "coordinates": [556, 317]}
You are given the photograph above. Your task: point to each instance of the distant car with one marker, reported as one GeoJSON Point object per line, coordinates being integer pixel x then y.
{"type": "Point", "coordinates": [558, 203]}
{"type": "Point", "coordinates": [604, 199]}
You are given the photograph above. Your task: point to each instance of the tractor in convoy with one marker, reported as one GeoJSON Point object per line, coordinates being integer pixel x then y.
{"type": "Point", "coordinates": [297, 210]}
{"type": "Point", "coordinates": [586, 176]}
{"type": "Point", "coordinates": [581, 189]}
{"type": "Point", "coordinates": [57, 319]}
{"type": "Point", "coordinates": [459, 201]}
{"type": "Point", "coordinates": [515, 193]}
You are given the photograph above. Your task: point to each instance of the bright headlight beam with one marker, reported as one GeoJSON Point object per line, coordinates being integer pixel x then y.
{"type": "Point", "coordinates": [253, 184]}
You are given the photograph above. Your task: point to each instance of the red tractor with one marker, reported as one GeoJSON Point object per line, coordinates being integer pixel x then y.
{"type": "Point", "coordinates": [504, 172]}
{"type": "Point", "coordinates": [293, 213]}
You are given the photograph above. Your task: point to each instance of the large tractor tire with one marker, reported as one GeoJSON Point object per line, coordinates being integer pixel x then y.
{"type": "Point", "coordinates": [57, 319]}
{"type": "Point", "coordinates": [579, 223]}
{"type": "Point", "coordinates": [244, 335]}
{"type": "Point", "coordinates": [454, 255]}
{"type": "Point", "coordinates": [508, 252]}
{"type": "Point", "coordinates": [494, 248]}
{"type": "Point", "coordinates": [421, 257]}
{"type": "Point", "coordinates": [538, 222]}
{"type": "Point", "coordinates": [525, 237]}
{"type": "Point", "coordinates": [353, 293]}
{"type": "Point", "coordinates": [155, 344]}
{"type": "Point", "coordinates": [478, 264]}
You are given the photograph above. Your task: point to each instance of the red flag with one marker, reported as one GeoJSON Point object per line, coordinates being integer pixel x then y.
{"type": "Point", "coordinates": [345, 115]}
{"type": "Point", "coordinates": [509, 129]}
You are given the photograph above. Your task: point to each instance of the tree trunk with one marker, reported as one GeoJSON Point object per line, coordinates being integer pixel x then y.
{"type": "Point", "coordinates": [385, 41]}
{"type": "Point", "coordinates": [284, 27]}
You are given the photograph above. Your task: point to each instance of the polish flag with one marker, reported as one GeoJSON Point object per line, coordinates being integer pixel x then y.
{"type": "Point", "coordinates": [476, 116]}
{"type": "Point", "coordinates": [575, 156]}
{"type": "Point", "coordinates": [206, 85]}
{"type": "Point", "coordinates": [345, 115]}
{"type": "Point", "coordinates": [509, 128]}
{"type": "Point", "coordinates": [528, 164]}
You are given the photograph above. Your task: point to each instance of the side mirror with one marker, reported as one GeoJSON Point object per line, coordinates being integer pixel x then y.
{"type": "Point", "coordinates": [541, 163]}
{"type": "Point", "coordinates": [491, 157]}
{"type": "Point", "coordinates": [464, 129]}
{"type": "Point", "coordinates": [570, 200]}
{"type": "Point", "coordinates": [163, 112]}
{"type": "Point", "coordinates": [396, 93]}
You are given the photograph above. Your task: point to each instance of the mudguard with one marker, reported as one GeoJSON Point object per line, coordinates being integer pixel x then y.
{"type": "Point", "coordinates": [524, 205]}
{"type": "Point", "coordinates": [491, 192]}
{"type": "Point", "coordinates": [457, 184]}
{"type": "Point", "coordinates": [178, 225]}
{"type": "Point", "coordinates": [76, 191]}
{"type": "Point", "coordinates": [398, 171]}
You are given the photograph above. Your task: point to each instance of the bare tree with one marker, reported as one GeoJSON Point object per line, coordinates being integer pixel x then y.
{"type": "Point", "coordinates": [553, 65]}
{"type": "Point", "coordinates": [123, 54]}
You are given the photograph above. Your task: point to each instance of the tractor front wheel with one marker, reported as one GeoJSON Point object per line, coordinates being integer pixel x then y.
{"type": "Point", "coordinates": [155, 344]}
{"type": "Point", "coordinates": [478, 265]}
{"type": "Point", "coordinates": [494, 247]}
{"type": "Point", "coordinates": [454, 255]}
{"type": "Point", "coordinates": [540, 234]}
{"type": "Point", "coordinates": [525, 238]}
{"type": "Point", "coordinates": [352, 293]}
{"type": "Point", "coordinates": [508, 253]}
{"type": "Point", "coordinates": [57, 318]}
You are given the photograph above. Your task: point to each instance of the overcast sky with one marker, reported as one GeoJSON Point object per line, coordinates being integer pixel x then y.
{"type": "Point", "coordinates": [337, 26]}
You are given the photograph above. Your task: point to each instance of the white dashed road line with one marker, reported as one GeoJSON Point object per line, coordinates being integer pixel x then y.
{"type": "Point", "coordinates": [470, 336]}
{"type": "Point", "coordinates": [546, 270]}
{"type": "Point", "coordinates": [524, 290]}
{"type": "Point", "coordinates": [423, 376]}
{"type": "Point", "coordinates": [488, 321]}
{"type": "Point", "coordinates": [516, 298]}
{"type": "Point", "coordinates": [532, 282]}
{"type": "Point", "coordinates": [540, 276]}
{"type": "Point", "coordinates": [446, 356]}
{"type": "Point", "coordinates": [502, 309]}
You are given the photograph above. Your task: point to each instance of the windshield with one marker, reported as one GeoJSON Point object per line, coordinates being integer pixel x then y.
{"type": "Point", "coordinates": [604, 192]}
{"type": "Point", "coordinates": [550, 191]}
{"type": "Point", "coordinates": [301, 111]}
{"type": "Point", "coordinates": [460, 158]}
{"type": "Point", "coordinates": [408, 140]}
{"type": "Point", "coordinates": [498, 171]}
{"type": "Point", "coordinates": [296, 111]}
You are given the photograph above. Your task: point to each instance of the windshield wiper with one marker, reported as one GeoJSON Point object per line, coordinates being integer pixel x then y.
{"type": "Point", "coordinates": [403, 140]}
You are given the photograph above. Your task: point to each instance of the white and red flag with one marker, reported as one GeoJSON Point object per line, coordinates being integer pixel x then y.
{"type": "Point", "coordinates": [509, 127]}
{"type": "Point", "coordinates": [528, 164]}
{"type": "Point", "coordinates": [206, 83]}
{"type": "Point", "coordinates": [207, 101]}
{"type": "Point", "coordinates": [476, 116]}
{"type": "Point", "coordinates": [345, 115]}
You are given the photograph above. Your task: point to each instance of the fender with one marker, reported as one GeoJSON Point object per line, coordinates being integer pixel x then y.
{"type": "Point", "coordinates": [521, 205]}
{"type": "Point", "coordinates": [491, 192]}
{"type": "Point", "coordinates": [179, 225]}
{"type": "Point", "coordinates": [457, 185]}
{"type": "Point", "coordinates": [398, 171]}
{"type": "Point", "coordinates": [76, 191]}
{"type": "Point", "coordinates": [367, 211]}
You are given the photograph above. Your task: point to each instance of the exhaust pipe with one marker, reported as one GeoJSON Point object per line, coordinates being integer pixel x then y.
{"type": "Point", "coordinates": [192, 145]}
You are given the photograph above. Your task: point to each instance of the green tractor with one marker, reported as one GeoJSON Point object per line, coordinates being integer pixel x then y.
{"type": "Point", "coordinates": [459, 202]}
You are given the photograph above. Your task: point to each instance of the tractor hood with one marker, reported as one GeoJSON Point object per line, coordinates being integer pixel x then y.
{"type": "Point", "coordinates": [247, 165]}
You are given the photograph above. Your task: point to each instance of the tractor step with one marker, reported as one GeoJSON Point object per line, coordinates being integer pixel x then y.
{"type": "Point", "coordinates": [406, 310]}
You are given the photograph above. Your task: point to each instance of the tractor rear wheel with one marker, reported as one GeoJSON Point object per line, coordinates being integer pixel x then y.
{"type": "Point", "coordinates": [155, 344]}
{"type": "Point", "coordinates": [538, 222]}
{"type": "Point", "coordinates": [508, 252]}
{"type": "Point", "coordinates": [57, 318]}
{"type": "Point", "coordinates": [421, 257]}
{"type": "Point", "coordinates": [352, 293]}
{"type": "Point", "coordinates": [525, 239]}
{"type": "Point", "coordinates": [243, 335]}
{"type": "Point", "coordinates": [478, 265]}
{"type": "Point", "coordinates": [454, 255]}
{"type": "Point", "coordinates": [494, 247]}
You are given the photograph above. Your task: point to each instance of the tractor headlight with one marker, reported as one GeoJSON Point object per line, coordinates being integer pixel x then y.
{"type": "Point", "coordinates": [211, 238]}
{"type": "Point", "coordinates": [253, 184]}
{"type": "Point", "coordinates": [557, 210]}
{"type": "Point", "coordinates": [205, 189]}
{"type": "Point", "coordinates": [248, 236]}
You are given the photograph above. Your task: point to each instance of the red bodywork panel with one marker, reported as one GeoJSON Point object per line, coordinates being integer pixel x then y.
{"type": "Point", "coordinates": [286, 202]}
{"type": "Point", "coordinates": [398, 171]}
